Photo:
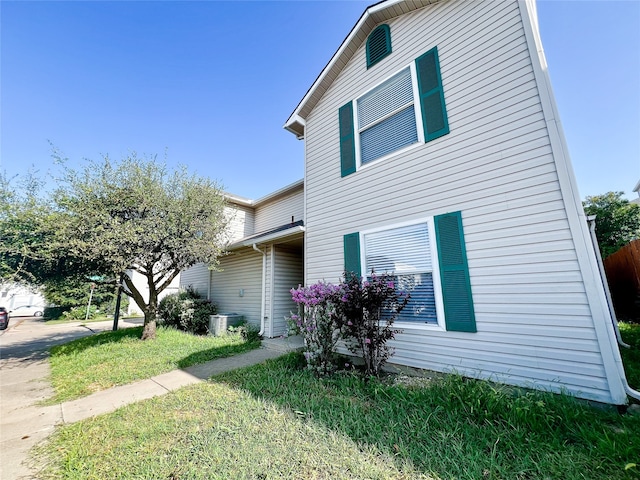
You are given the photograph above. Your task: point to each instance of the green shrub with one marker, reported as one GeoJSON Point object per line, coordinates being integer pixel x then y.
{"type": "Point", "coordinates": [186, 311]}
{"type": "Point", "coordinates": [80, 313]}
{"type": "Point", "coordinates": [53, 313]}
{"type": "Point", "coordinates": [248, 332]}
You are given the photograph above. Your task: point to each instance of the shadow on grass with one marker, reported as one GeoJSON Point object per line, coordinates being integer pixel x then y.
{"type": "Point", "coordinates": [453, 427]}
{"type": "Point", "coordinates": [81, 344]}
{"type": "Point", "coordinates": [216, 352]}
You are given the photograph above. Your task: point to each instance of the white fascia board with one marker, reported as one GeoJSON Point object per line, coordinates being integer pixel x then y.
{"type": "Point", "coordinates": [637, 187]}
{"type": "Point", "coordinates": [281, 191]}
{"type": "Point", "coordinates": [270, 196]}
{"type": "Point", "coordinates": [267, 238]}
{"type": "Point", "coordinates": [296, 125]}
{"type": "Point", "coordinates": [382, 11]}
{"type": "Point", "coordinates": [238, 199]}
{"type": "Point", "coordinates": [295, 116]}
{"type": "Point", "coordinates": [576, 217]}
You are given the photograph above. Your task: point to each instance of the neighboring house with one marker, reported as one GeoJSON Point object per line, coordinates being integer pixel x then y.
{"type": "Point", "coordinates": [433, 151]}
{"type": "Point", "coordinates": [637, 190]}
{"type": "Point", "coordinates": [13, 295]}
{"type": "Point", "coordinates": [263, 261]}
{"type": "Point", "coordinates": [140, 281]}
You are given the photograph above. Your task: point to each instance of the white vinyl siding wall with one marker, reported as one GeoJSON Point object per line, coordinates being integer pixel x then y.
{"type": "Point", "coordinates": [288, 275]}
{"type": "Point", "coordinates": [241, 222]}
{"type": "Point", "coordinates": [241, 270]}
{"type": "Point", "coordinates": [496, 167]}
{"type": "Point", "coordinates": [196, 277]}
{"type": "Point", "coordinates": [279, 212]}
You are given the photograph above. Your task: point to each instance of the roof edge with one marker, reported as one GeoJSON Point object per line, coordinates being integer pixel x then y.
{"type": "Point", "coordinates": [247, 202]}
{"type": "Point", "coordinates": [386, 11]}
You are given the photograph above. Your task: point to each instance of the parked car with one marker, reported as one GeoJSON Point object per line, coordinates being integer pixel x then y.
{"type": "Point", "coordinates": [27, 311]}
{"type": "Point", "coordinates": [4, 318]}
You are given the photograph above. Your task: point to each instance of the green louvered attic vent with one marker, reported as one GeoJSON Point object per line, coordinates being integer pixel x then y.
{"type": "Point", "coordinates": [378, 45]}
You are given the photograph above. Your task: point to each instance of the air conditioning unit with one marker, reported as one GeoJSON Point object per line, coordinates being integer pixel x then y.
{"type": "Point", "coordinates": [219, 324]}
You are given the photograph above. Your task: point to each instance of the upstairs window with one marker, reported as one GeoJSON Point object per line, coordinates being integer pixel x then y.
{"type": "Point", "coordinates": [405, 109]}
{"type": "Point", "coordinates": [378, 45]}
{"type": "Point", "coordinates": [386, 118]}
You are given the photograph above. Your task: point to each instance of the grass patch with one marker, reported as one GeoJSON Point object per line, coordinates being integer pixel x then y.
{"type": "Point", "coordinates": [277, 421]}
{"type": "Point", "coordinates": [107, 359]}
{"type": "Point", "coordinates": [630, 333]}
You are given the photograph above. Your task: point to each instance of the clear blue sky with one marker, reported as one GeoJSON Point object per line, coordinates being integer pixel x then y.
{"type": "Point", "coordinates": [211, 84]}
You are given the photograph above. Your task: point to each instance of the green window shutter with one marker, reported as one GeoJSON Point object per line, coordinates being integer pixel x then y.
{"type": "Point", "coordinates": [378, 45]}
{"type": "Point", "coordinates": [434, 111]}
{"type": "Point", "coordinates": [352, 254]}
{"type": "Point", "coordinates": [347, 140]}
{"type": "Point", "coordinates": [454, 273]}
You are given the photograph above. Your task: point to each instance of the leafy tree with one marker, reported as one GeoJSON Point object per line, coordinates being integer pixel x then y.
{"type": "Point", "coordinates": [73, 291]}
{"type": "Point", "coordinates": [136, 215]}
{"type": "Point", "coordinates": [617, 220]}
{"type": "Point", "coordinates": [25, 229]}
{"type": "Point", "coordinates": [33, 253]}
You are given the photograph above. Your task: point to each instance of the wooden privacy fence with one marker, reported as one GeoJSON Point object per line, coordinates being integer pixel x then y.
{"type": "Point", "coordinates": [623, 275]}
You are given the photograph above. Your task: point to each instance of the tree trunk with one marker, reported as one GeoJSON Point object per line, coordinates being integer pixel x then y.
{"type": "Point", "coordinates": [149, 329]}
{"type": "Point", "coordinates": [150, 314]}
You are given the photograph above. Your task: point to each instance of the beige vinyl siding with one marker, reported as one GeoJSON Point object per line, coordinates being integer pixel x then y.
{"type": "Point", "coordinates": [241, 270]}
{"type": "Point", "coordinates": [288, 274]}
{"type": "Point", "coordinates": [241, 221]}
{"type": "Point", "coordinates": [196, 277]}
{"type": "Point", "coordinates": [496, 166]}
{"type": "Point", "coordinates": [279, 212]}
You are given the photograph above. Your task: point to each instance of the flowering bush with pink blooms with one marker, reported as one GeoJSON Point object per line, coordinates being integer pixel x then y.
{"type": "Point", "coordinates": [366, 311]}
{"type": "Point", "coordinates": [359, 312]}
{"type": "Point", "coordinates": [316, 321]}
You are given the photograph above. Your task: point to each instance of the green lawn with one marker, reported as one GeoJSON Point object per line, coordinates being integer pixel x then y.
{"type": "Point", "coordinates": [631, 356]}
{"type": "Point", "coordinates": [277, 421]}
{"type": "Point", "coordinates": [107, 359]}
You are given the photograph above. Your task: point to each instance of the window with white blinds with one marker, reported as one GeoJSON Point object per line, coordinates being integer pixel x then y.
{"type": "Point", "coordinates": [386, 117]}
{"type": "Point", "coordinates": [405, 253]}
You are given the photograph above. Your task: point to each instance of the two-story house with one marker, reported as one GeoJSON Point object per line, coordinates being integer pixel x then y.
{"type": "Point", "coordinates": [263, 260]}
{"type": "Point", "coordinates": [433, 151]}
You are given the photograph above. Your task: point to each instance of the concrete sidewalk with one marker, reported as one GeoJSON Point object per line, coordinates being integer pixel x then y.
{"type": "Point", "coordinates": [23, 423]}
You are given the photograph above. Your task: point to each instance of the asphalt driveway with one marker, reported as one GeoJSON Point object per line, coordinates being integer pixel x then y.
{"type": "Point", "coordinates": [24, 381]}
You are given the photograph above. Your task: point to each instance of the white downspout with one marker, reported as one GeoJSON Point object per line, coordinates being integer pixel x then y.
{"type": "Point", "coordinates": [592, 229]}
{"type": "Point", "coordinates": [264, 287]}
{"type": "Point", "coordinates": [591, 219]}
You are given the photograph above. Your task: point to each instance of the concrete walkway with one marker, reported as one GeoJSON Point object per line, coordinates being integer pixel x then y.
{"type": "Point", "coordinates": [24, 383]}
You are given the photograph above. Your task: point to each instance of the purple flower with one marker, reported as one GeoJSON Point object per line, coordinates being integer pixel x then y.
{"type": "Point", "coordinates": [390, 285]}
{"type": "Point", "coordinates": [367, 341]}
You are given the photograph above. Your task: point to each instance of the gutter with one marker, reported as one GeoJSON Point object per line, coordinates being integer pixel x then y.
{"type": "Point", "coordinates": [264, 288]}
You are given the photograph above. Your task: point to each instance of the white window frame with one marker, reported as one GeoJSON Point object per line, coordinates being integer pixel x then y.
{"type": "Point", "coordinates": [417, 110]}
{"type": "Point", "coordinates": [435, 272]}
